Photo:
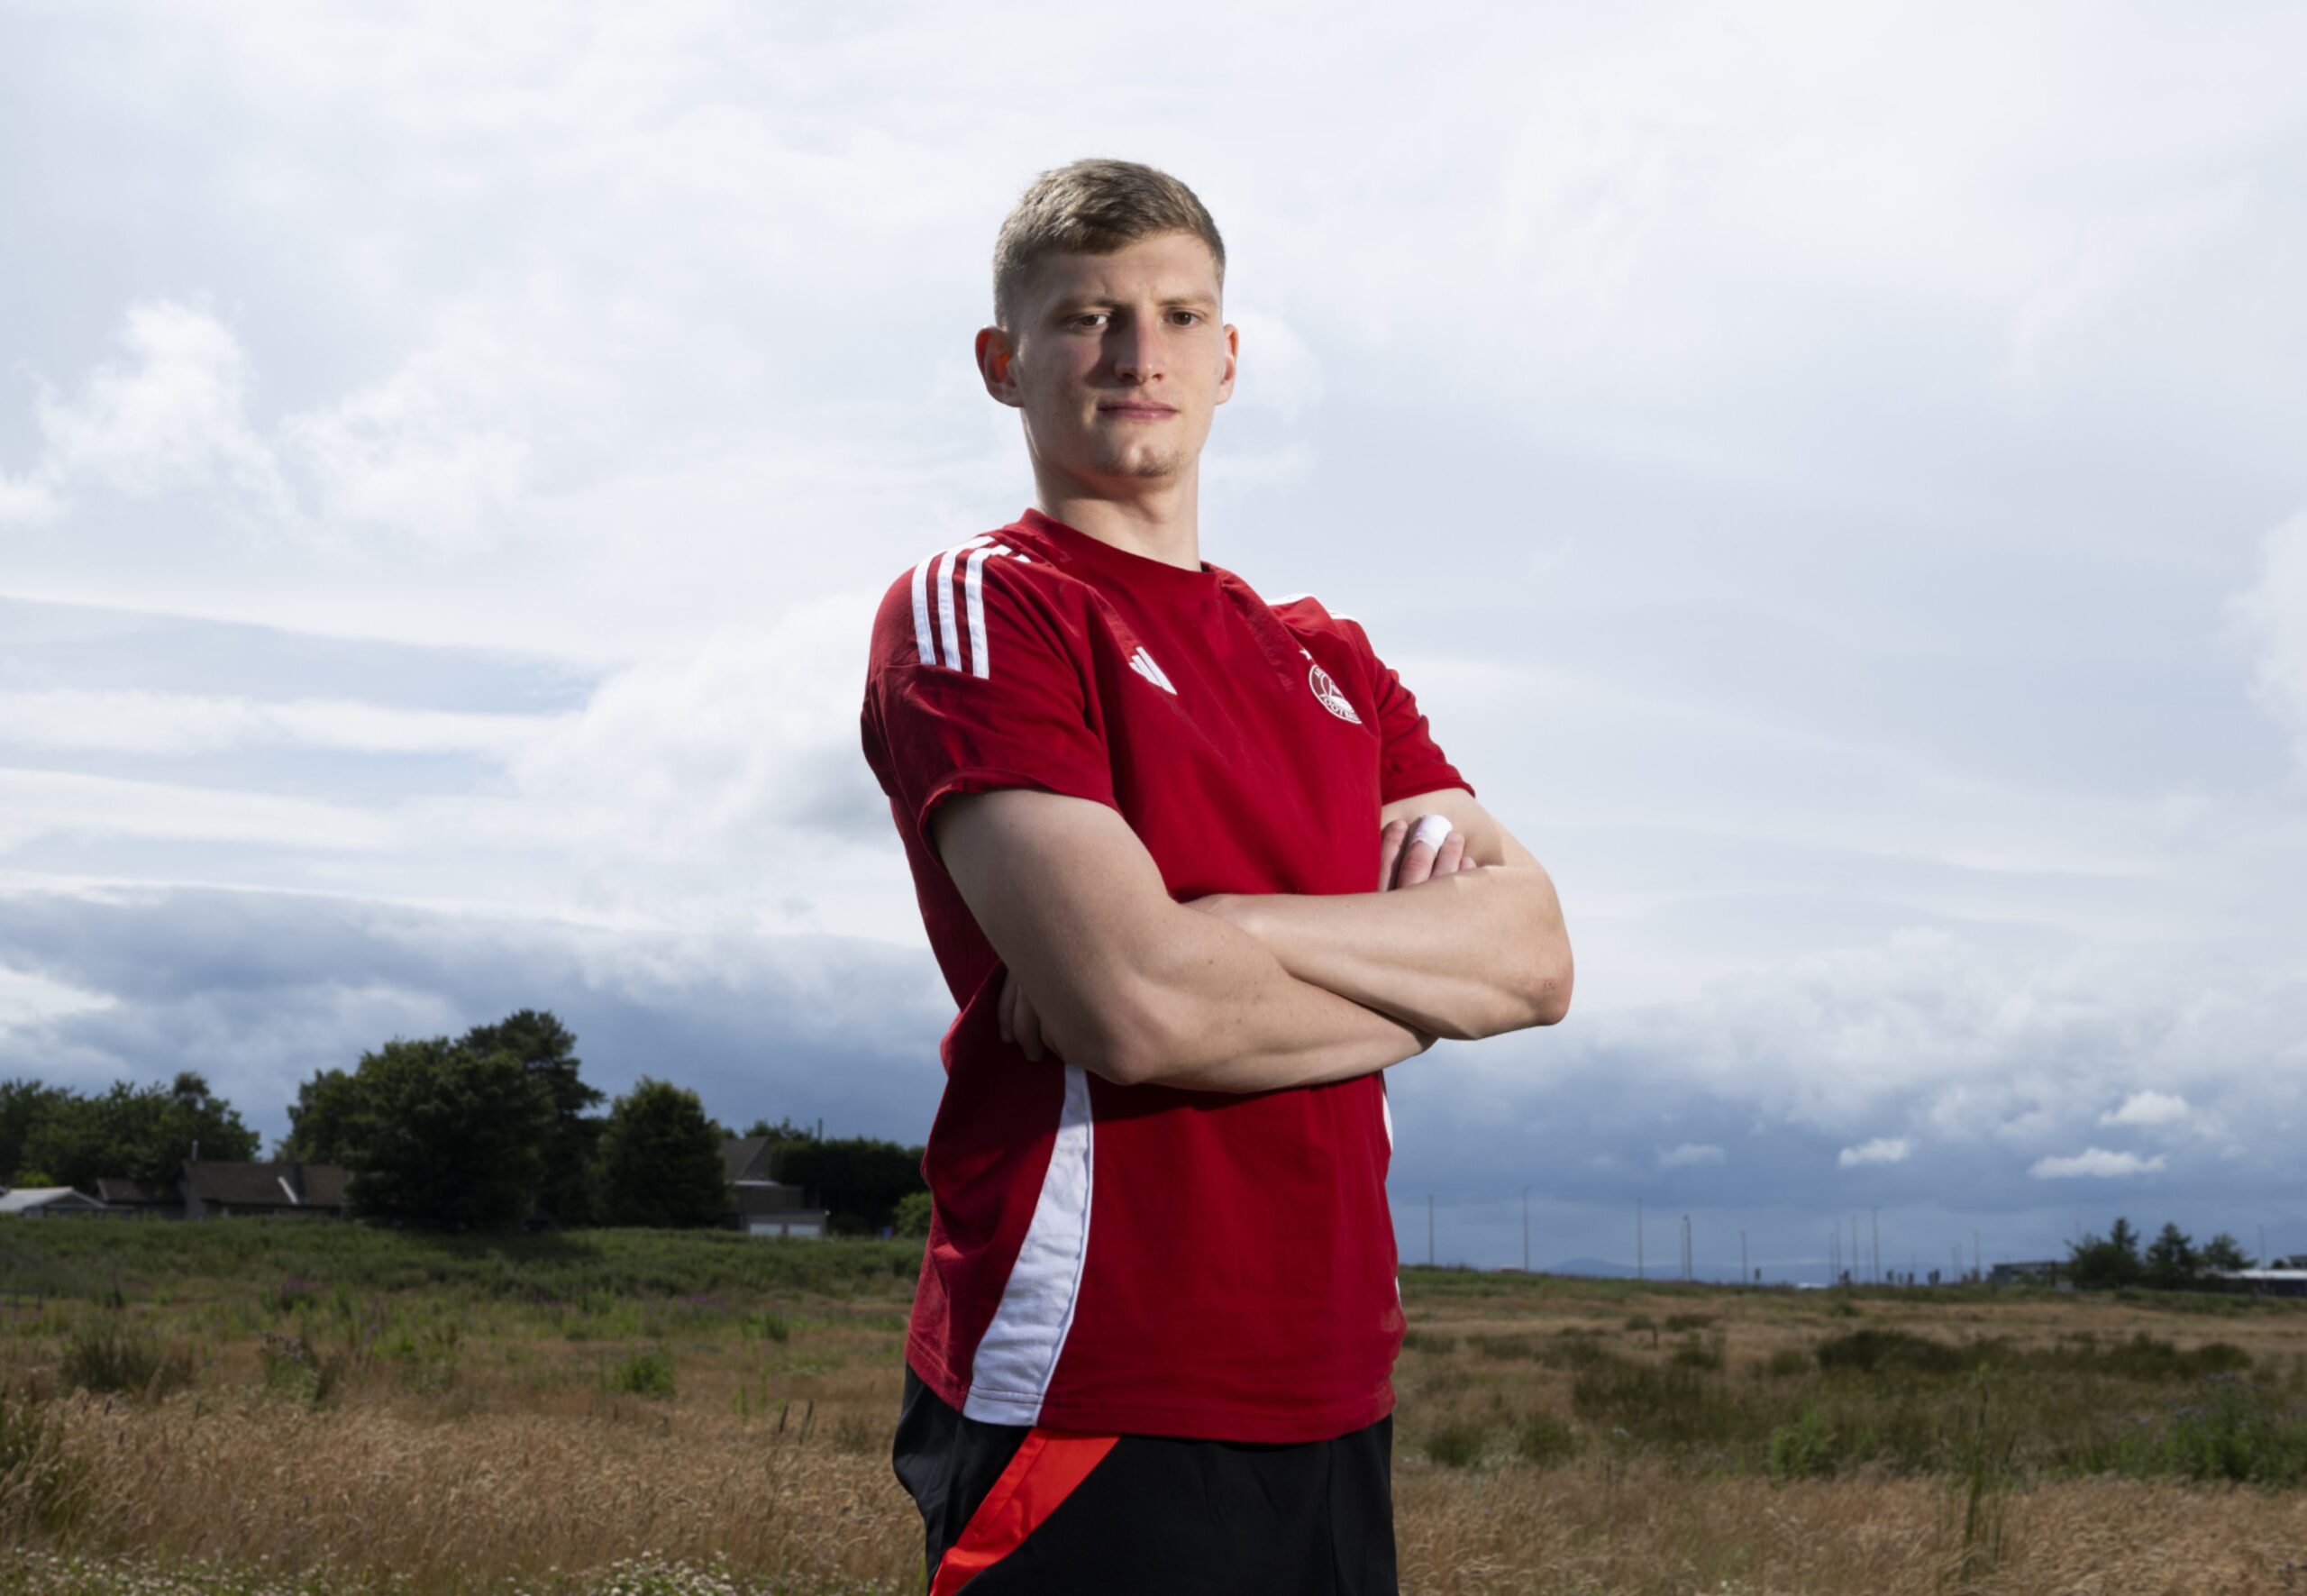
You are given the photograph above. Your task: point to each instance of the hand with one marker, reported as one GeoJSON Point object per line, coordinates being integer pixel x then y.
{"type": "Point", "coordinates": [1016, 1018]}
{"type": "Point", "coordinates": [1402, 862]}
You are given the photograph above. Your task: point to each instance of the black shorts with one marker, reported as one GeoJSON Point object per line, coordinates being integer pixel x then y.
{"type": "Point", "coordinates": [1016, 1510]}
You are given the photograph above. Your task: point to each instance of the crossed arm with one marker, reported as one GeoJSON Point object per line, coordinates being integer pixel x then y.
{"type": "Point", "coordinates": [1251, 993]}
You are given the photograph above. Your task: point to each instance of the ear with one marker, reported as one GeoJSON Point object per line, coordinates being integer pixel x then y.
{"type": "Point", "coordinates": [1233, 351]}
{"type": "Point", "coordinates": [997, 363]}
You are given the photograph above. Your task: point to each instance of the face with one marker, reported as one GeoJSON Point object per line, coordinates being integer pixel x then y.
{"type": "Point", "coordinates": [1116, 360]}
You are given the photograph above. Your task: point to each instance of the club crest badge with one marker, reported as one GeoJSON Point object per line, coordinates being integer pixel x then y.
{"type": "Point", "coordinates": [1327, 691]}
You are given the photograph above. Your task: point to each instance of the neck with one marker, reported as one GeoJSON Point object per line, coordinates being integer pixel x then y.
{"type": "Point", "coordinates": [1158, 520]}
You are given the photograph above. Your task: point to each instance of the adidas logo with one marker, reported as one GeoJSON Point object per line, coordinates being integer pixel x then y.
{"type": "Point", "coordinates": [1143, 663]}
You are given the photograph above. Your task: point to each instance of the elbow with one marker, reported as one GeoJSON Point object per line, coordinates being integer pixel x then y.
{"type": "Point", "coordinates": [1542, 996]}
{"type": "Point", "coordinates": [1548, 991]}
{"type": "Point", "coordinates": [1132, 1038]}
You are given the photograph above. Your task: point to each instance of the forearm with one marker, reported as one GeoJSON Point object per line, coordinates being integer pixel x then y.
{"type": "Point", "coordinates": [1464, 955]}
{"type": "Point", "coordinates": [1214, 1010]}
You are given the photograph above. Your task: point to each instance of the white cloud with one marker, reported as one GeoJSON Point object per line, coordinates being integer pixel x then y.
{"type": "Point", "coordinates": [1690, 1154]}
{"type": "Point", "coordinates": [424, 454]}
{"type": "Point", "coordinates": [2148, 1108]}
{"type": "Point", "coordinates": [131, 721]}
{"type": "Point", "coordinates": [2273, 617]}
{"type": "Point", "coordinates": [175, 417]}
{"type": "Point", "coordinates": [1881, 1150]}
{"type": "Point", "coordinates": [2094, 1163]}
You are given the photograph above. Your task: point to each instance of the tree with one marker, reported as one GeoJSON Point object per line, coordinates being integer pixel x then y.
{"type": "Point", "coordinates": [144, 1133]}
{"type": "Point", "coordinates": [2095, 1263]}
{"type": "Point", "coordinates": [2223, 1255]}
{"type": "Point", "coordinates": [912, 1214]}
{"type": "Point", "coordinates": [783, 1131]}
{"type": "Point", "coordinates": [547, 1049]}
{"type": "Point", "coordinates": [446, 1138]}
{"type": "Point", "coordinates": [321, 1120]}
{"type": "Point", "coordinates": [2172, 1263]}
{"type": "Point", "coordinates": [661, 1160]}
{"type": "Point", "coordinates": [856, 1176]}
{"type": "Point", "coordinates": [24, 1104]}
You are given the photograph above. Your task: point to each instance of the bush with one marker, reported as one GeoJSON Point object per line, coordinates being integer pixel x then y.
{"type": "Point", "coordinates": [1544, 1440]}
{"type": "Point", "coordinates": [1695, 1353]}
{"type": "Point", "coordinates": [111, 1356]}
{"type": "Point", "coordinates": [1803, 1450]}
{"type": "Point", "coordinates": [648, 1373]}
{"type": "Point", "coordinates": [1657, 1403]}
{"type": "Point", "coordinates": [1786, 1363]}
{"type": "Point", "coordinates": [913, 1214]}
{"type": "Point", "coordinates": [1871, 1352]}
{"type": "Point", "coordinates": [2232, 1431]}
{"type": "Point", "coordinates": [1454, 1445]}
{"type": "Point", "coordinates": [292, 1368]}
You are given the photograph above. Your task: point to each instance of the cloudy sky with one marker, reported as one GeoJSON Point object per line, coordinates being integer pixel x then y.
{"type": "Point", "coordinates": [1836, 476]}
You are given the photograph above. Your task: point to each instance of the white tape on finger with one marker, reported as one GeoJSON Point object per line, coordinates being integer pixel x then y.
{"type": "Point", "coordinates": [1430, 830]}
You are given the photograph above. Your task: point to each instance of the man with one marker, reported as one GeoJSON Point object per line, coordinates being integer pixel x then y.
{"type": "Point", "coordinates": [1161, 831]}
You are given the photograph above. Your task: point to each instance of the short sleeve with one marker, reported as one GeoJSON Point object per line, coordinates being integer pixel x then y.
{"type": "Point", "coordinates": [976, 682]}
{"type": "Point", "coordinates": [1410, 760]}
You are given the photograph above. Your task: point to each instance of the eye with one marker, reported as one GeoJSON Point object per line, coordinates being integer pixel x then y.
{"type": "Point", "coordinates": [1087, 319]}
{"type": "Point", "coordinates": [1185, 318]}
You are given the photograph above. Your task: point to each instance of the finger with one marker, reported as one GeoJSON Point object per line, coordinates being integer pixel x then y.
{"type": "Point", "coordinates": [1029, 1027]}
{"type": "Point", "coordinates": [1001, 1009]}
{"type": "Point", "coordinates": [1417, 854]}
{"type": "Point", "coordinates": [1446, 857]}
{"type": "Point", "coordinates": [1390, 850]}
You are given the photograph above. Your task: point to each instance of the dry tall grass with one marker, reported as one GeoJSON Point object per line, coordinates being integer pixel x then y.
{"type": "Point", "coordinates": [513, 1460]}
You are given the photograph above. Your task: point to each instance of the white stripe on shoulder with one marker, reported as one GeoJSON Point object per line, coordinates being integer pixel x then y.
{"type": "Point", "coordinates": [973, 583]}
{"type": "Point", "coordinates": [925, 635]}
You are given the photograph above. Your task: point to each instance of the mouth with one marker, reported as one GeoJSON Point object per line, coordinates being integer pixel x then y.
{"type": "Point", "coordinates": [1138, 412]}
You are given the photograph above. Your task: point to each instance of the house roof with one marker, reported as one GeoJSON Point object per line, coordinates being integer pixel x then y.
{"type": "Point", "coordinates": [740, 1154]}
{"type": "Point", "coordinates": [283, 1183]}
{"type": "Point", "coordinates": [24, 1198]}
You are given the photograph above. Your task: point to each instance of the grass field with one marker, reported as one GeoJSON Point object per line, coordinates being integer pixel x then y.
{"type": "Point", "coordinates": [248, 1407]}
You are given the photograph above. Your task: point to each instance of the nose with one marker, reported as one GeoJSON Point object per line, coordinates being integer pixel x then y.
{"type": "Point", "coordinates": [1137, 350]}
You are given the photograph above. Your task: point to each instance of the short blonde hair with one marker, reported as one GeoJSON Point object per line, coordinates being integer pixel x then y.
{"type": "Point", "coordinates": [1092, 207]}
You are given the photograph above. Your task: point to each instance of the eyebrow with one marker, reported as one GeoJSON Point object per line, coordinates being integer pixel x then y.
{"type": "Point", "coordinates": [1080, 302]}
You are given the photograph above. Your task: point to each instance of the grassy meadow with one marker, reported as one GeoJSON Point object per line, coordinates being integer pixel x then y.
{"type": "Point", "coordinates": [251, 1407]}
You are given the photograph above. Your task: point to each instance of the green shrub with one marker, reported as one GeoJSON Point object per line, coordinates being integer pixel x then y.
{"type": "Point", "coordinates": [109, 1355]}
{"type": "Point", "coordinates": [648, 1373]}
{"type": "Point", "coordinates": [1542, 1439]}
{"type": "Point", "coordinates": [1871, 1352]}
{"type": "Point", "coordinates": [2230, 1431]}
{"type": "Point", "coordinates": [1786, 1363]}
{"type": "Point", "coordinates": [1695, 1353]}
{"type": "Point", "coordinates": [1659, 1403]}
{"type": "Point", "coordinates": [912, 1217]}
{"type": "Point", "coordinates": [1454, 1445]}
{"type": "Point", "coordinates": [1803, 1450]}
{"type": "Point", "coordinates": [292, 1368]}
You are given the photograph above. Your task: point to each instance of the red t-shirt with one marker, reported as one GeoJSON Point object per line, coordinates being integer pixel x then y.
{"type": "Point", "coordinates": [1145, 1260]}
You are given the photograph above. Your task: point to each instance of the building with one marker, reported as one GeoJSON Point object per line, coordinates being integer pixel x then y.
{"type": "Point", "coordinates": [2041, 1272]}
{"type": "Point", "coordinates": [217, 1189]}
{"type": "Point", "coordinates": [763, 1206]}
{"type": "Point", "coordinates": [2286, 1278]}
{"type": "Point", "coordinates": [48, 1202]}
